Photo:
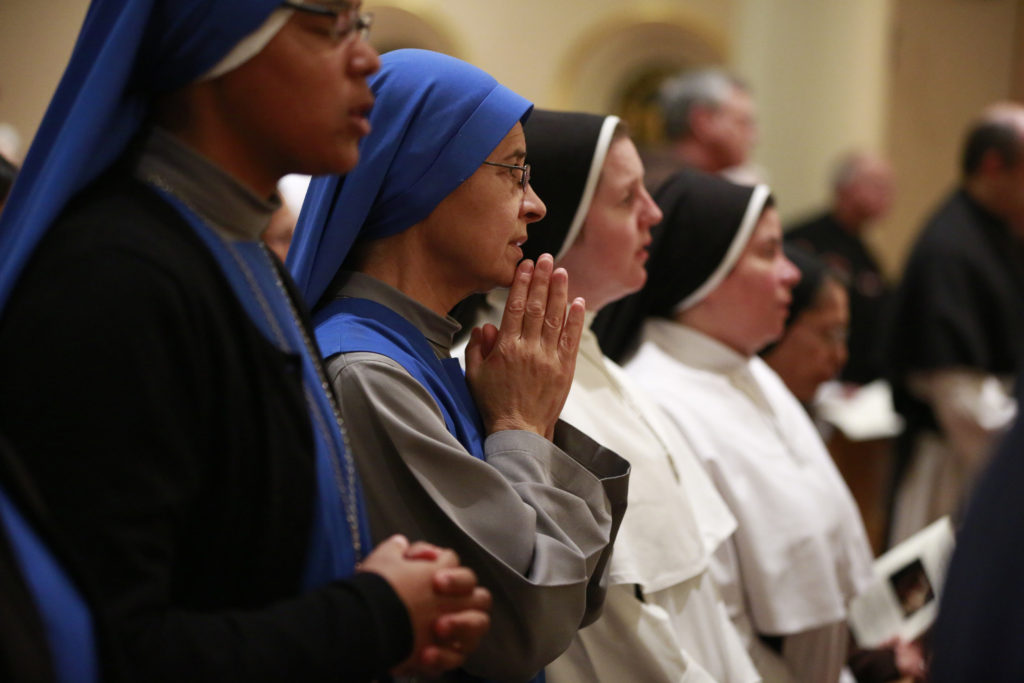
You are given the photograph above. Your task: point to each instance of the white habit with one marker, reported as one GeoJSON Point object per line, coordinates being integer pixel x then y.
{"type": "Point", "coordinates": [800, 552]}
{"type": "Point", "coordinates": [663, 619]}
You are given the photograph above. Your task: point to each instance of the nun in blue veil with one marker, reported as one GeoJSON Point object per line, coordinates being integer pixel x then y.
{"type": "Point", "coordinates": [159, 382]}
{"type": "Point", "coordinates": [438, 209]}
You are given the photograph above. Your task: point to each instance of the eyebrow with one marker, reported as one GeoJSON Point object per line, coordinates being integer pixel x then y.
{"type": "Point", "coordinates": [516, 154]}
{"type": "Point", "coordinates": [341, 5]}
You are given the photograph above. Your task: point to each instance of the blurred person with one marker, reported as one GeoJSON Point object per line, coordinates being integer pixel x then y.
{"type": "Point", "coordinates": [278, 235]}
{"type": "Point", "coordinates": [10, 143]}
{"type": "Point", "coordinates": [663, 619]}
{"type": "Point", "coordinates": [718, 291]}
{"type": "Point", "coordinates": [976, 636]}
{"type": "Point", "coordinates": [382, 254]}
{"type": "Point", "coordinates": [956, 342]}
{"type": "Point", "coordinates": [812, 349]}
{"type": "Point", "coordinates": [8, 172]}
{"type": "Point", "coordinates": [159, 384]}
{"type": "Point", "coordinates": [710, 124]}
{"type": "Point", "coordinates": [862, 189]}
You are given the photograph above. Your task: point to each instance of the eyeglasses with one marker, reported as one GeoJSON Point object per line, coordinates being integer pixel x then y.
{"type": "Point", "coordinates": [347, 22]}
{"type": "Point", "coordinates": [833, 335]}
{"type": "Point", "coordinates": [525, 168]}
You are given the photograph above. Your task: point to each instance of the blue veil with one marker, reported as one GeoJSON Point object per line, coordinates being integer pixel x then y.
{"type": "Point", "coordinates": [127, 53]}
{"type": "Point", "coordinates": [436, 118]}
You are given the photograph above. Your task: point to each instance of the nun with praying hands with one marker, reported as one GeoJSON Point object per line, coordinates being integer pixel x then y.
{"type": "Point", "coordinates": [437, 210]}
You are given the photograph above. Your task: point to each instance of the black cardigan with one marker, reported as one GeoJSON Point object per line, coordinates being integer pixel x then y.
{"type": "Point", "coordinates": [171, 442]}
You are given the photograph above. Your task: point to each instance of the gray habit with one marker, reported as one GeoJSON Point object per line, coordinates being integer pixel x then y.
{"type": "Point", "coordinates": [535, 521]}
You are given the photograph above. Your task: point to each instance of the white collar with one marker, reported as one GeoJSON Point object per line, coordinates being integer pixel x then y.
{"type": "Point", "coordinates": [692, 347]}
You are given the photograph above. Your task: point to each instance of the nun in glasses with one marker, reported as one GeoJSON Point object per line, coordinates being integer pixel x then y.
{"type": "Point", "coordinates": [438, 209]}
{"type": "Point", "coordinates": [663, 620]}
{"type": "Point", "coordinates": [812, 350]}
{"type": "Point", "coordinates": [718, 291]}
{"type": "Point", "coordinates": [158, 379]}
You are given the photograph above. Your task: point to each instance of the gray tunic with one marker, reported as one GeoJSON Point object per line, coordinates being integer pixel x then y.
{"type": "Point", "coordinates": [535, 521]}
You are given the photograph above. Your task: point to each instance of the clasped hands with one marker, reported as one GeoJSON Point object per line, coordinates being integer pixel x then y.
{"type": "Point", "coordinates": [520, 373]}
{"type": "Point", "coordinates": [448, 611]}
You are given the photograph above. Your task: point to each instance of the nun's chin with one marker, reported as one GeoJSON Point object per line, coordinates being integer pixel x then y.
{"type": "Point", "coordinates": [509, 277]}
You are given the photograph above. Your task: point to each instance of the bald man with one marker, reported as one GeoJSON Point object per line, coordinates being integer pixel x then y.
{"type": "Point", "coordinates": [862, 189]}
{"type": "Point", "coordinates": [959, 324]}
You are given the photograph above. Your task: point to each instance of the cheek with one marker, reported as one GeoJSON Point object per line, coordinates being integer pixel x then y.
{"type": "Point", "coordinates": [617, 257]}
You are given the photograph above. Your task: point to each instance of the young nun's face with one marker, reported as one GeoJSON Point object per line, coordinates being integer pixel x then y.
{"type": "Point", "coordinates": [813, 348]}
{"type": "Point", "coordinates": [607, 260]}
{"type": "Point", "coordinates": [302, 102]}
{"type": "Point", "coordinates": [751, 304]}
{"type": "Point", "coordinates": [474, 236]}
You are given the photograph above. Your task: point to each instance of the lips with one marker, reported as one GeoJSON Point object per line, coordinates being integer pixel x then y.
{"type": "Point", "coordinates": [360, 114]}
{"type": "Point", "coordinates": [362, 110]}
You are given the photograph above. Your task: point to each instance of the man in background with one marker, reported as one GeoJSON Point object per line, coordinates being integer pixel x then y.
{"type": "Point", "coordinates": [710, 125]}
{"type": "Point", "coordinates": [959, 325]}
{"type": "Point", "coordinates": [862, 190]}
{"type": "Point", "coordinates": [8, 171]}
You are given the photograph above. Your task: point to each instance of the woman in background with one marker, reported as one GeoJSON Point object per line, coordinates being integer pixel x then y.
{"type": "Point", "coordinates": [812, 349]}
{"type": "Point", "coordinates": [718, 291]}
{"type": "Point", "coordinates": [663, 619]}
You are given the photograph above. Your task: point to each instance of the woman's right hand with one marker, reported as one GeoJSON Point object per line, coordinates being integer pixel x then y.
{"type": "Point", "coordinates": [520, 373]}
{"type": "Point", "coordinates": [448, 611]}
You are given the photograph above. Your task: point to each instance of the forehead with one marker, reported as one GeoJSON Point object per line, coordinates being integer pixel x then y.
{"type": "Point", "coordinates": [769, 226]}
{"type": "Point", "coordinates": [622, 163]}
{"type": "Point", "coordinates": [513, 144]}
{"type": "Point", "coordinates": [830, 305]}
{"type": "Point", "coordinates": [738, 100]}
{"type": "Point", "coordinates": [873, 171]}
{"type": "Point", "coordinates": [337, 5]}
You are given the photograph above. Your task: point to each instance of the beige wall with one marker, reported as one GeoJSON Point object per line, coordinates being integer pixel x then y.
{"type": "Point", "coordinates": [35, 42]}
{"type": "Point", "coordinates": [899, 76]}
{"type": "Point", "coordinates": [949, 59]}
{"type": "Point", "coordinates": [819, 74]}
{"type": "Point", "coordinates": [532, 46]}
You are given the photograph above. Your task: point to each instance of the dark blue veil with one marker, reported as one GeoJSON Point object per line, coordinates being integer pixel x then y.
{"type": "Point", "coordinates": [127, 53]}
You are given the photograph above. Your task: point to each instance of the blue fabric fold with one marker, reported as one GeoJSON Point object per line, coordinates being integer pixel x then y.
{"type": "Point", "coordinates": [127, 53]}
{"type": "Point", "coordinates": [350, 325]}
{"type": "Point", "coordinates": [250, 272]}
{"type": "Point", "coordinates": [65, 615]}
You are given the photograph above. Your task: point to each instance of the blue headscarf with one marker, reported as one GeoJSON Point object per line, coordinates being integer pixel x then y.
{"type": "Point", "coordinates": [128, 52]}
{"type": "Point", "coordinates": [436, 118]}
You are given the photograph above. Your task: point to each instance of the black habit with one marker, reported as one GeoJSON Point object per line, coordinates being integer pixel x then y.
{"type": "Point", "coordinates": [870, 295]}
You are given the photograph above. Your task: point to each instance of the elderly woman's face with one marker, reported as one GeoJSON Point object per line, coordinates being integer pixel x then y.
{"type": "Point", "coordinates": [752, 302]}
{"type": "Point", "coordinates": [813, 348]}
{"type": "Point", "coordinates": [473, 237]}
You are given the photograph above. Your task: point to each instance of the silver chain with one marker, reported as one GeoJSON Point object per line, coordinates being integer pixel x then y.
{"type": "Point", "coordinates": [347, 493]}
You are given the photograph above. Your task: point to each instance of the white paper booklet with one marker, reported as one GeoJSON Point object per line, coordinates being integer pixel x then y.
{"type": "Point", "coordinates": [862, 413]}
{"type": "Point", "coordinates": [904, 599]}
